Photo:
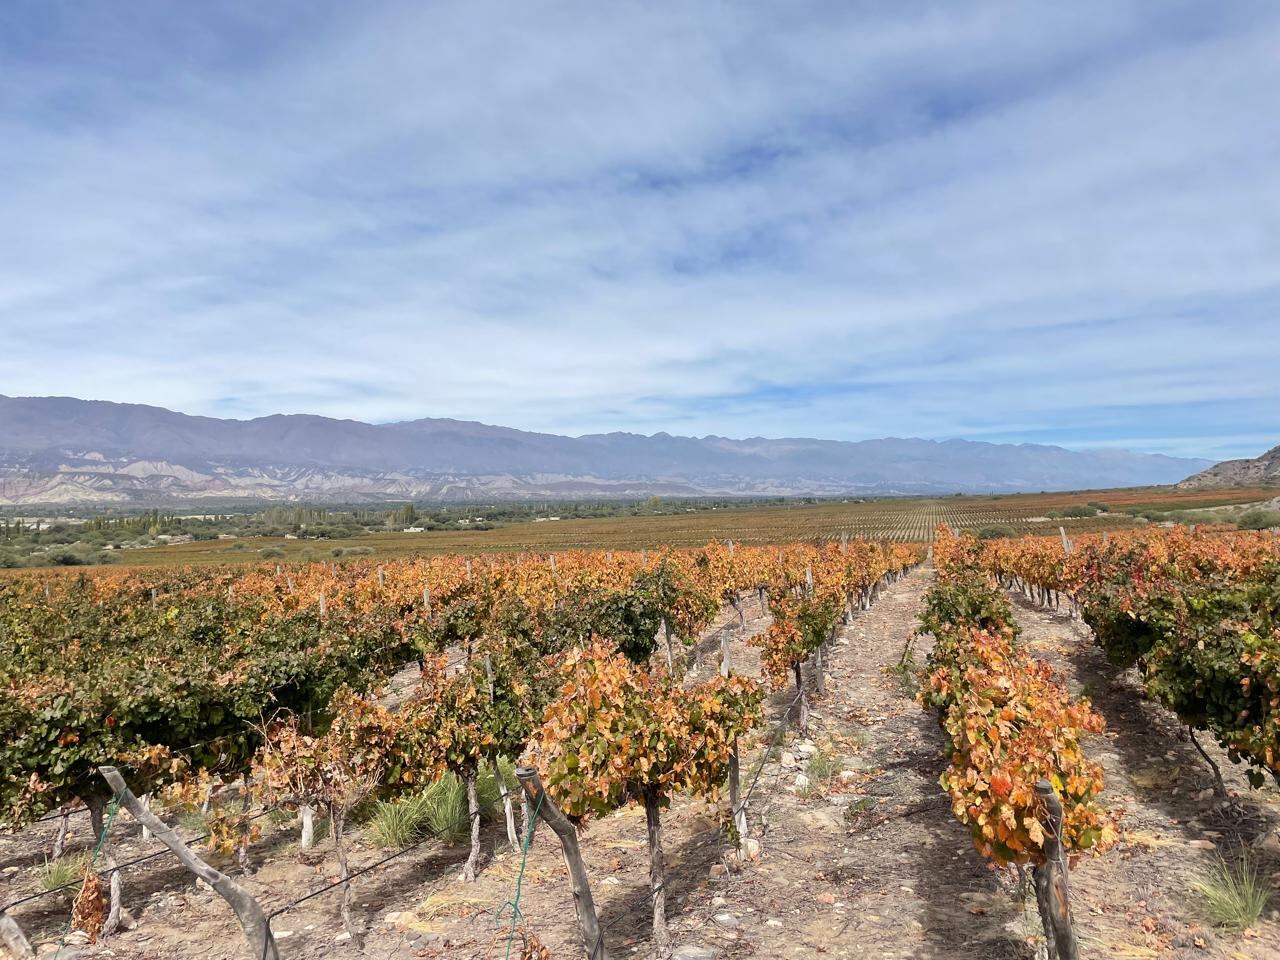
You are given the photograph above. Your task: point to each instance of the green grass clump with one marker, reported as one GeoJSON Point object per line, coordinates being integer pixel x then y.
{"type": "Point", "coordinates": [443, 806]}
{"type": "Point", "coordinates": [1234, 894]}
{"type": "Point", "coordinates": [396, 824]}
{"type": "Point", "coordinates": [822, 766]}
{"type": "Point", "coordinates": [67, 869]}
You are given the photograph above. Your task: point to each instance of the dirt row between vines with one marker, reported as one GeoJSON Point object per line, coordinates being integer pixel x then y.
{"type": "Point", "coordinates": [863, 861]}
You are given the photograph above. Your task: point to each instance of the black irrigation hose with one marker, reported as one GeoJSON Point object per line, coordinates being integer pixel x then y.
{"type": "Point", "coordinates": [58, 814]}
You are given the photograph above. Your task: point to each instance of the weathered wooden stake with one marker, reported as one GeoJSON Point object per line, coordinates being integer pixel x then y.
{"type": "Point", "coordinates": [583, 904]}
{"type": "Point", "coordinates": [252, 920]}
{"type": "Point", "coordinates": [1052, 894]}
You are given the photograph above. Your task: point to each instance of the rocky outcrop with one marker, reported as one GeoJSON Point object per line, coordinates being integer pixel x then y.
{"type": "Point", "coordinates": [1263, 471]}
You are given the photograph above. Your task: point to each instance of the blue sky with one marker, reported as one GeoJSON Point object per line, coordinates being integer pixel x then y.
{"type": "Point", "coordinates": [1001, 221]}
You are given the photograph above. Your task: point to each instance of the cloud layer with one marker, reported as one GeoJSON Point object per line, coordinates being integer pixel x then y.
{"type": "Point", "coordinates": [1002, 221]}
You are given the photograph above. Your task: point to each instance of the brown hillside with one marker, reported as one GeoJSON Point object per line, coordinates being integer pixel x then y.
{"type": "Point", "coordinates": [1260, 471]}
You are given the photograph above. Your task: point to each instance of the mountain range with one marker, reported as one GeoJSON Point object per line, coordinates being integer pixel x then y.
{"type": "Point", "coordinates": [65, 450]}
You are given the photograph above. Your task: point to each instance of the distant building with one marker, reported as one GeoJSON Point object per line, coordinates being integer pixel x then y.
{"type": "Point", "coordinates": [415, 529]}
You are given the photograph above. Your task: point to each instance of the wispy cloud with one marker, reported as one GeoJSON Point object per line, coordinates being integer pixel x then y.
{"type": "Point", "coordinates": [996, 220]}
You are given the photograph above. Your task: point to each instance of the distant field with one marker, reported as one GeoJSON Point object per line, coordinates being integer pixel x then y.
{"type": "Point", "coordinates": [906, 520]}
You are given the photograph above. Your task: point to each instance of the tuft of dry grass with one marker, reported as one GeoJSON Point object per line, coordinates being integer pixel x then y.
{"type": "Point", "coordinates": [1233, 893]}
{"type": "Point", "coordinates": [66, 870]}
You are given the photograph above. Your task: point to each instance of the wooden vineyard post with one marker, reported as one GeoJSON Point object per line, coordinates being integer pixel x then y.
{"type": "Point", "coordinates": [252, 920]}
{"type": "Point", "coordinates": [1051, 881]}
{"type": "Point", "coordinates": [736, 806]}
{"type": "Point", "coordinates": [583, 904]}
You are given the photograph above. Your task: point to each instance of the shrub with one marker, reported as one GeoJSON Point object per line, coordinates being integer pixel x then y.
{"type": "Point", "coordinates": [996, 531]}
{"type": "Point", "coordinates": [1258, 520]}
{"type": "Point", "coordinates": [270, 553]}
{"type": "Point", "coordinates": [65, 558]}
{"type": "Point", "coordinates": [351, 551]}
{"type": "Point", "coordinates": [1073, 513]}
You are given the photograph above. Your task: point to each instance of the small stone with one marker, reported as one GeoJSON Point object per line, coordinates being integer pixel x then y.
{"type": "Point", "coordinates": [801, 781]}
{"type": "Point", "coordinates": [727, 920]}
{"type": "Point", "coordinates": [612, 881]}
{"type": "Point", "coordinates": [788, 759]}
{"type": "Point", "coordinates": [282, 934]}
{"type": "Point", "coordinates": [827, 899]}
{"type": "Point", "coordinates": [1202, 844]}
{"type": "Point", "coordinates": [806, 749]}
{"type": "Point", "coordinates": [393, 917]}
{"type": "Point", "coordinates": [751, 849]}
{"type": "Point", "coordinates": [343, 937]}
{"type": "Point", "coordinates": [694, 953]}
{"type": "Point", "coordinates": [773, 922]}
{"type": "Point", "coordinates": [719, 870]}
{"type": "Point", "coordinates": [718, 901]}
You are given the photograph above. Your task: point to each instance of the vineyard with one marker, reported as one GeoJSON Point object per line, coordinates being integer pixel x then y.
{"type": "Point", "coordinates": [902, 520]}
{"type": "Point", "coordinates": [718, 751]}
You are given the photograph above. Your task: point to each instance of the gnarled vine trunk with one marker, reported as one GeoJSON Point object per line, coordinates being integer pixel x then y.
{"type": "Point", "coordinates": [97, 805]}
{"type": "Point", "coordinates": [657, 875]}
{"type": "Point", "coordinates": [473, 810]}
